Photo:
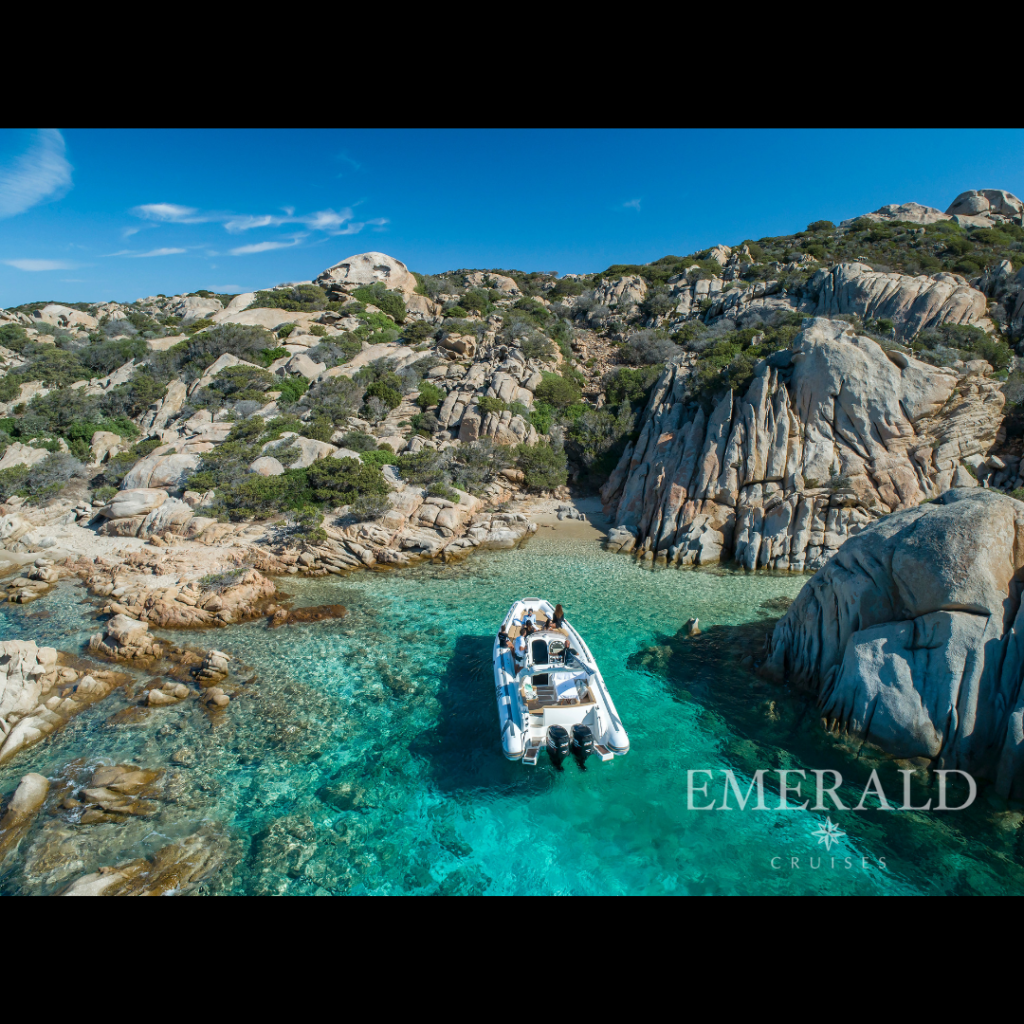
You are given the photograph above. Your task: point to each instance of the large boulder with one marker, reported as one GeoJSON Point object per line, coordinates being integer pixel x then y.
{"type": "Point", "coordinates": [160, 471]}
{"type": "Point", "coordinates": [18, 454]}
{"type": "Point", "coordinates": [65, 316]}
{"type": "Point", "coordinates": [266, 465]}
{"type": "Point", "coordinates": [912, 636]}
{"type": "Point", "coordinates": [304, 451]}
{"type": "Point", "coordinates": [138, 501]}
{"type": "Point", "coordinates": [987, 206]}
{"type": "Point", "coordinates": [195, 307]}
{"type": "Point", "coordinates": [104, 444]}
{"type": "Point", "coordinates": [368, 268]}
{"type": "Point", "coordinates": [302, 364]}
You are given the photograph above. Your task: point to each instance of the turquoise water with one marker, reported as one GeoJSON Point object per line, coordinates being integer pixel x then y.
{"type": "Point", "coordinates": [365, 757]}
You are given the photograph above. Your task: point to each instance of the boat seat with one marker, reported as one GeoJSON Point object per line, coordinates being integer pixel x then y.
{"type": "Point", "coordinates": [603, 752]}
{"type": "Point", "coordinates": [530, 754]}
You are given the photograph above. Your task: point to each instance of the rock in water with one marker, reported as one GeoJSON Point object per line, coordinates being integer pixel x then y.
{"type": "Point", "coordinates": [23, 808]}
{"type": "Point", "coordinates": [913, 636]}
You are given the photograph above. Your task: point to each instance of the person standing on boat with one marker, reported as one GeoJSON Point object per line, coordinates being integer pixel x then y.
{"type": "Point", "coordinates": [519, 648]}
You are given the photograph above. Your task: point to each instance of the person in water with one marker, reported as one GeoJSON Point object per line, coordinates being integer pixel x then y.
{"type": "Point", "coordinates": [558, 619]}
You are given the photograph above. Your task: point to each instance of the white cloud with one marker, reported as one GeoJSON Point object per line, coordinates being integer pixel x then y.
{"type": "Point", "coordinates": [247, 250]}
{"type": "Point", "coordinates": [171, 213]}
{"type": "Point", "coordinates": [152, 252]}
{"type": "Point", "coordinates": [158, 252]}
{"type": "Point", "coordinates": [41, 172]}
{"type": "Point", "coordinates": [40, 264]}
{"type": "Point", "coordinates": [632, 204]}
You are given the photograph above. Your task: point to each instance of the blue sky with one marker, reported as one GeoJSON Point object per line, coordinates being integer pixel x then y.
{"type": "Point", "coordinates": [97, 215]}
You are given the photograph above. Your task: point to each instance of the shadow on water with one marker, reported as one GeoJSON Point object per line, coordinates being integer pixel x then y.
{"type": "Point", "coordinates": [762, 725]}
{"type": "Point", "coordinates": [463, 753]}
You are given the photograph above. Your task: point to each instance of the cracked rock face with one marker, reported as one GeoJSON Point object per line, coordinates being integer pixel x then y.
{"type": "Point", "coordinates": [913, 636]}
{"type": "Point", "coordinates": [830, 434]}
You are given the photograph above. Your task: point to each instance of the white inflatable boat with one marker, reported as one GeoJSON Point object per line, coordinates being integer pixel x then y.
{"type": "Point", "coordinates": [552, 696]}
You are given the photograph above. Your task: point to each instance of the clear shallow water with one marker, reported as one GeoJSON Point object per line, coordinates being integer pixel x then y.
{"type": "Point", "coordinates": [366, 758]}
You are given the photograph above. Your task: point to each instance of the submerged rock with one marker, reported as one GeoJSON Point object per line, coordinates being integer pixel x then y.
{"type": "Point", "coordinates": [174, 870]}
{"type": "Point", "coordinates": [21, 811]}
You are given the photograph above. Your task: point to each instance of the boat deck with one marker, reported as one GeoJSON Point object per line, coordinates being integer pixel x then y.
{"type": "Point", "coordinates": [542, 625]}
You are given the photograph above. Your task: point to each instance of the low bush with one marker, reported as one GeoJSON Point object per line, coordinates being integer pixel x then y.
{"type": "Point", "coordinates": [557, 391]}
{"type": "Point", "coordinates": [430, 395]}
{"type": "Point", "coordinates": [543, 467]}
{"type": "Point", "coordinates": [303, 298]}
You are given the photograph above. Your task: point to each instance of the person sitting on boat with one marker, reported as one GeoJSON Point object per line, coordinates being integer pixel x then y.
{"type": "Point", "coordinates": [529, 618]}
{"type": "Point", "coordinates": [558, 619]}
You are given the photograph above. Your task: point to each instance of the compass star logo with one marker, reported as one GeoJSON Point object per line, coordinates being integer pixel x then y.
{"type": "Point", "coordinates": [828, 833]}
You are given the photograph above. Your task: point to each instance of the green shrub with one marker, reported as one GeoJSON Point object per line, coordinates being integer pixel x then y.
{"type": "Point", "coordinates": [270, 355]}
{"type": "Point", "coordinates": [342, 481]}
{"type": "Point", "coordinates": [821, 225]}
{"type": "Point", "coordinates": [430, 394]}
{"type": "Point", "coordinates": [536, 346]}
{"type": "Point", "coordinates": [291, 388]}
{"type": "Point", "coordinates": [543, 467]}
{"type": "Point", "coordinates": [419, 331]}
{"type": "Point", "coordinates": [197, 325]}
{"type": "Point", "coordinates": [10, 388]}
{"type": "Point", "coordinates": [285, 329]}
{"type": "Point", "coordinates": [629, 385]}
{"type": "Point", "coordinates": [542, 417]}
{"type": "Point", "coordinates": [318, 330]}
{"type": "Point", "coordinates": [359, 441]}
{"type": "Point", "coordinates": [42, 481]}
{"type": "Point", "coordinates": [489, 404]}
{"type": "Point", "coordinates": [442, 490]}
{"type": "Point", "coordinates": [378, 457]}
{"type": "Point", "coordinates": [104, 493]}
{"type": "Point", "coordinates": [386, 301]}
{"type": "Point", "coordinates": [387, 393]}
{"type": "Point", "coordinates": [557, 391]}
{"type": "Point", "coordinates": [303, 298]}
{"type": "Point", "coordinates": [457, 311]}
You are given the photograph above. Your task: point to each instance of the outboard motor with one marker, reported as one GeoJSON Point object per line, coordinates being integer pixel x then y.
{"type": "Point", "coordinates": [582, 743]}
{"type": "Point", "coordinates": [558, 744]}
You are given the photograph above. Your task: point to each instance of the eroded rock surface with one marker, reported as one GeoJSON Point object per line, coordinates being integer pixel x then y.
{"type": "Point", "coordinates": [913, 636]}
{"type": "Point", "coordinates": [829, 435]}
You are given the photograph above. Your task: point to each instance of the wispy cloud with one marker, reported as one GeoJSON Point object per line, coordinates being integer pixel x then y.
{"type": "Point", "coordinates": [329, 222]}
{"type": "Point", "coordinates": [632, 204]}
{"type": "Point", "coordinates": [172, 213]}
{"type": "Point", "coordinates": [152, 252]}
{"type": "Point", "coordinates": [42, 172]}
{"type": "Point", "coordinates": [36, 265]}
{"type": "Point", "coordinates": [248, 250]}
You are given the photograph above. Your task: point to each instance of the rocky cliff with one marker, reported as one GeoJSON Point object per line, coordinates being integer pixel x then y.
{"type": "Point", "coordinates": [831, 433]}
{"type": "Point", "coordinates": [913, 636]}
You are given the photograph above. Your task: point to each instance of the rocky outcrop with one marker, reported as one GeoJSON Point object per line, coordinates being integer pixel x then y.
{"type": "Point", "coordinates": [231, 597]}
{"type": "Point", "coordinates": [912, 303]}
{"type": "Point", "coordinates": [910, 213]}
{"type": "Point", "coordinates": [829, 435]}
{"type": "Point", "coordinates": [368, 268]}
{"type": "Point", "coordinates": [18, 454]}
{"type": "Point", "coordinates": [913, 636]}
{"type": "Point", "coordinates": [27, 674]}
{"type": "Point", "coordinates": [176, 869]}
{"type": "Point", "coordinates": [986, 207]}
